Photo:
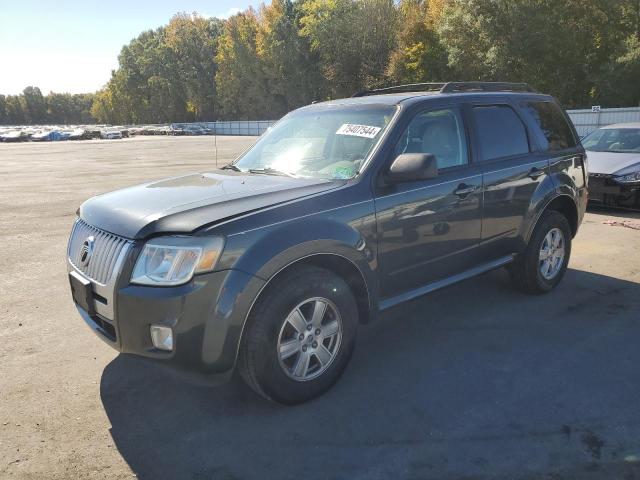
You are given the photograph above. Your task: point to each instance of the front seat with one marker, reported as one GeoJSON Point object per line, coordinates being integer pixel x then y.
{"type": "Point", "coordinates": [439, 138]}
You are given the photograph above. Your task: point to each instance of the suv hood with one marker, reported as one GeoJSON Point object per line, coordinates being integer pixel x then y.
{"type": "Point", "coordinates": [184, 204]}
{"type": "Point", "coordinates": [612, 162]}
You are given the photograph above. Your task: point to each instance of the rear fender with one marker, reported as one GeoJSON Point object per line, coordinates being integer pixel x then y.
{"type": "Point", "coordinates": [543, 195]}
{"type": "Point", "coordinates": [543, 206]}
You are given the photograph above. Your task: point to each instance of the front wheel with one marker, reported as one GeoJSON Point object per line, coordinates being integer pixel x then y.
{"type": "Point", "coordinates": [540, 268]}
{"type": "Point", "coordinates": [300, 336]}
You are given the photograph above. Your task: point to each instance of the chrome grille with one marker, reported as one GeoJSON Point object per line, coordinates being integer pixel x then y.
{"type": "Point", "coordinates": [107, 249]}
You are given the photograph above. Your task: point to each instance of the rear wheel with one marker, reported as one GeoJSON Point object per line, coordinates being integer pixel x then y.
{"type": "Point", "coordinates": [540, 268]}
{"type": "Point", "coordinates": [300, 336]}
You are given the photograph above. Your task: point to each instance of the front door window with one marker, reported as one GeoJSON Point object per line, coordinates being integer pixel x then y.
{"type": "Point", "coordinates": [439, 132]}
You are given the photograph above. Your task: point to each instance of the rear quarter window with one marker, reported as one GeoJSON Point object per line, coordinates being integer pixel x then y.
{"type": "Point", "coordinates": [553, 128]}
{"type": "Point", "coordinates": [500, 131]}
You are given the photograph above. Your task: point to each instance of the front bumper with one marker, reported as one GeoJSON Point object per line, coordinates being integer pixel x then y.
{"type": "Point", "coordinates": [604, 190]}
{"type": "Point", "coordinates": [206, 316]}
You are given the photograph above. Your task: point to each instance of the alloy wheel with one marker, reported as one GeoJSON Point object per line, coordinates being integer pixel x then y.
{"type": "Point", "coordinates": [309, 339]}
{"type": "Point", "coordinates": [552, 252]}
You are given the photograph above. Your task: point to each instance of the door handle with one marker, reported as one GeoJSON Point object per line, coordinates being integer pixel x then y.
{"type": "Point", "coordinates": [535, 172]}
{"type": "Point", "coordinates": [463, 190]}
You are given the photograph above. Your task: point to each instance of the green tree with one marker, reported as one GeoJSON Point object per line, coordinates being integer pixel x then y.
{"type": "Point", "coordinates": [626, 69]}
{"type": "Point", "coordinates": [146, 88]}
{"type": "Point", "coordinates": [66, 108]}
{"type": "Point", "coordinates": [34, 106]}
{"type": "Point", "coordinates": [3, 110]}
{"type": "Point", "coordinates": [354, 39]}
{"type": "Point", "coordinates": [626, 88]}
{"type": "Point", "coordinates": [561, 47]}
{"type": "Point", "coordinates": [240, 80]}
{"type": "Point", "coordinates": [419, 56]}
{"type": "Point", "coordinates": [103, 109]}
{"type": "Point", "coordinates": [81, 112]}
{"type": "Point", "coordinates": [193, 41]}
{"type": "Point", "coordinates": [15, 113]}
{"type": "Point", "coordinates": [630, 10]}
{"type": "Point", "coordinates": [291, 69]}
{"type": "Point", "coordinates": [164, 75]}
{"type": "Point", "coordinates": [259, 65]}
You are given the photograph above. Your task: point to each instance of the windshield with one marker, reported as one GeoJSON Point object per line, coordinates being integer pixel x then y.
{"type": "Point", "coordinates": [619, 140]}
{"type": "Point", "coordinates": [322, 141]}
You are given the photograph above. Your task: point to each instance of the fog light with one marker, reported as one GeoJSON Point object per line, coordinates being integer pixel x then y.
{"type": "Point", "coordinates": [162, 337]}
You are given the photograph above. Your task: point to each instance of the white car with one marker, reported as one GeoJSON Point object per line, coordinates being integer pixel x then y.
{"type": "Point", "coordinates": [111, 134]}
{"type": "Point", "coordinates": [613, 154]}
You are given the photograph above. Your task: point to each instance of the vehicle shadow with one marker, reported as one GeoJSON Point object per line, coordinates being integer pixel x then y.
{"type": "Point", "coordinates": [475, 381]}
{"type": "Point", "coordinates": [631, 213]}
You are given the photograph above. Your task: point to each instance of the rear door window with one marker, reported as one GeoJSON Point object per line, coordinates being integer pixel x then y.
{"type": "Point", "coordinates": [500, 131]}
{"type": "Point", "coordinates": [554, 131]}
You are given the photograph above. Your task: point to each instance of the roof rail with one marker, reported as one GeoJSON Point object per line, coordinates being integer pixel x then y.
{"type": "Point", "coordinates": [450, 87]}
{"type": "Point", "coordinates": [411, 87]}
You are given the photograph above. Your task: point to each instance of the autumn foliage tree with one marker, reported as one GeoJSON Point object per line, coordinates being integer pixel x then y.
{"type": "Point", "coordinates": [353, 40]}
{"type": "Point", "coordinates": [264, 62]}
{"type": "Point", "coordinates": [164, 75]}
{"type": "Point", "coordinates": [240, 81]}
{"type": "Point", "coordinates": [419, 53]}
{"type": "Point", "coordinates": [292, 70]}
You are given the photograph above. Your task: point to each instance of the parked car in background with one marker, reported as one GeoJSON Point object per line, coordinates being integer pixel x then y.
{"type": "Point", "coordinates": [614, 165]}
{"type": "Point", "coordinates": [45, 136]}
{"type": "Point", "coordinates": [194, 130]}
{"type": "Point", "coordinates": [94, 133]}
{"type": "Point", "coordinates": [341, 210]}
{"type": "Point", "coordinates": [13, 136]}
{"type": "Point", "coordinates": [78, 134]}
{"type": "Point", "coordinates": [176, 129]}
{"type": "Point", "coordinates": [111, 134]}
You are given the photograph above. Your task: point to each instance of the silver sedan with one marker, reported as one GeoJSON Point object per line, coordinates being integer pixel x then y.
{"type": "Point", "coordinates": [613, 154]}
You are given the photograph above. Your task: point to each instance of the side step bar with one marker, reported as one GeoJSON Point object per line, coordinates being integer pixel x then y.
{"type": "Point", "coordinates": [437, 285]}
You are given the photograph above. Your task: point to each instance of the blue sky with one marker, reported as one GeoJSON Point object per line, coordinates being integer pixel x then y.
{"type": "Point", "coordinates": [72, 46]}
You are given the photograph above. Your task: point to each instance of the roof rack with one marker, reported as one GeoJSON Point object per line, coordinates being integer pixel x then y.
{"type": "Point", "coordinates": [451, 87]}
{"type": "Point", "coordinates": [487, 87]}
{"type": "Point", "coordinates": [411, 87]}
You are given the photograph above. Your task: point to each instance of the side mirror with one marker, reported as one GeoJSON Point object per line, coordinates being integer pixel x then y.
{"type": "Point", "coordinates": [408, 167]}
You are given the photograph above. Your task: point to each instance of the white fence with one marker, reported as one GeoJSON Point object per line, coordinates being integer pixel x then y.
{"type": "Point", "coordinates": [586, 121]}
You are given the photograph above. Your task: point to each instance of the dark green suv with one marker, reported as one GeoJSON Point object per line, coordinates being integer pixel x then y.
{"type": "Point", "coordinates": [341, 210]}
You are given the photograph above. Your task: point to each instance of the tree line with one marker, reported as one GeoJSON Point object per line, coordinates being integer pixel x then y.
{"type": "Point", "coordinates": [262, 63]}
{"type": "Point", "coordinates": [31, 107]}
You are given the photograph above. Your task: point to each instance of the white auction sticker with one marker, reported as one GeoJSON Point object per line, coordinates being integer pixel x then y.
{"type": "Point", "coordinates": [365, 131]}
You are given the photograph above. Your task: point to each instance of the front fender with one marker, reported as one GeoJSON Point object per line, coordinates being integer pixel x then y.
{"type": "Point", "coordinates": [266, 251]}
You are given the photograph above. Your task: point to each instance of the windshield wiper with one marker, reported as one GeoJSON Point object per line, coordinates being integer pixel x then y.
{"type": "Point", "coordinates": [270, 171]}
{"type": "Point", "coordinates": [231, 166]}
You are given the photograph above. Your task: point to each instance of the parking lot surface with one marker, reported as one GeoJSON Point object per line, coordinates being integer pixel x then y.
{"type": "Point", "coordinates": [475, 381]}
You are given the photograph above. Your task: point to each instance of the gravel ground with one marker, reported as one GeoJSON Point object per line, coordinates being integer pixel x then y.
{"type": "Point", "coordinates": [475, 381]}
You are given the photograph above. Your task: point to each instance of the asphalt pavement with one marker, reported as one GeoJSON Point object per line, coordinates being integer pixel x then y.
{"type": "Point", "coordinates": [476, 381]}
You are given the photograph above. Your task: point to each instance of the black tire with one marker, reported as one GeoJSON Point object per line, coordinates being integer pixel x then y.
{"type": "Point", "coordinates": [260, 365]}
{"type": "Point", "coordinates": [525, 270]}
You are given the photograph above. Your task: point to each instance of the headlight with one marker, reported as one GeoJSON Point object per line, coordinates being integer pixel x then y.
{"type": "Point", "coordinates": [629, 178]}
{"type": "Point", "coordinates": [174, 260]}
